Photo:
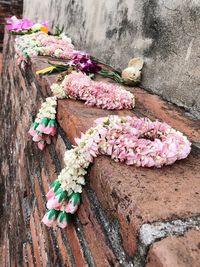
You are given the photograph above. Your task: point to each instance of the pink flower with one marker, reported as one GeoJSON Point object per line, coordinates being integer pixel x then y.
{"type": "Point", "coordinates": [73, 203]}
{"type": "Point", "coordinates": [53, 203]}
{"type": "Point", "coordinates": [49, 218]}
{"type": "Point", "coordinates": [43, 124]}
{"type": "Point", "coordinates": [37, 137]}
{"type": "Point", "coordinates": [41, 145]}
{"type": "Point", "coordinates": [33, 128]}
{"type": "Point", "coordinates": [32, 132]}
{"type": "Point", "coordinates": [101, 94]}
{"type": "Point", "coordinates": [57, 200]}
{"type": "Point", "coordinates": [63, 219]}
{"type": "Point", "coordinates": [47, 139]}
{"type": "Point", "coordinates": [70, 208]}
{"type": "Point", "coordinates": [143, 142]}
{"type": "Point", "coordinates": [51, 128]}
{"type": "Point", "coordinates": [16, 24]}
{"type": "Point", "coordinates": [50, 194]}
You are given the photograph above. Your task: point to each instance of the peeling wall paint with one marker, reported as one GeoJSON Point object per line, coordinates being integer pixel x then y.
{"type": "Point", "coordinates": [165, 33]}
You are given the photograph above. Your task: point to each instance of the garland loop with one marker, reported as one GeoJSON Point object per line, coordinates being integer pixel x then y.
{"type": "Point", "coordinates": [131, 140]}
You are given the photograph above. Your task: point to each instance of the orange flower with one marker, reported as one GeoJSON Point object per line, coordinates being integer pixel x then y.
{"type": "Point", "coordinates": [44, 29]}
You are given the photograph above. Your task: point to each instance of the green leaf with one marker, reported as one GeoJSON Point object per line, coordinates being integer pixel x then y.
{"type": "Point", "coordinates": [60, 191]}
{"type": "Point", "coordinates": [44, 121]}
{"type": "Point", "coordinates": [68, 217]}
{"type": "Point", "coordinates": [25, 55]}
{"type": "Point", "coordinates": [53, 213]}
{"type": "Point", "coordinates": [62, 196]}
{"type": "Point", "coordinates": [56, 186]}
{"type": "Point", "coordinates": [34, 125]}
{"type": "Point", "coordinates": [52, 123]}
{"type": "Point", "coordinates": [62, 216]}
{"type": "Point", "coordinates": [75, 198]}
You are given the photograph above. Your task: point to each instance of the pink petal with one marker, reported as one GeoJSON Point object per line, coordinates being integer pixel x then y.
{"type": "Point", "coordinates": [50, 194]}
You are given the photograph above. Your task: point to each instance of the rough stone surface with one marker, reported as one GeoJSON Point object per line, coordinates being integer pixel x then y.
{"type": "Point", "coordinates": [7, 9]}
{"type": "Point", "coordinates": [117, 200]}
{"type": "Point", "coordinates": [0, 63]}
{"type": "Point", "coordinates": [164, 33]}
{"type": "Point", "coordinates": [183, 251]}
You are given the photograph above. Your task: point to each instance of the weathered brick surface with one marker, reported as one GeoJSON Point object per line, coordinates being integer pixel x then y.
{"type": "Point", "coordinates": [183, 251]}
{"type": "Point", "coordinates": [116, 196]}
{"type": "Point", "coordinates": [7, 9]}
{"type": "Point", "coordinates": [137, 195]}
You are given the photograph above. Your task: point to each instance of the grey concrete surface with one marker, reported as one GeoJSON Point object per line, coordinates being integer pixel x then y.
{"type": "Point", "coordinates": [165, 33]}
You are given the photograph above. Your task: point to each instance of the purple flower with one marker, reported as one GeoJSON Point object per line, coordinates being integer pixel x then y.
{"type": "Point", "coordinates": [84, 63]}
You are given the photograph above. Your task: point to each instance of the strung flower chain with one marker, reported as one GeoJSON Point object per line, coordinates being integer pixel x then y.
{"type": "Point", "coordinates": [131, 140]}
{"type": "Point", "coordinates": [41, 43]}
{"type": "Point", "coordinates": [101, 94]}
{"type": "Point", "coordinates": [45, 125]}
{"type": "Point", "coordinates": [77, 86]}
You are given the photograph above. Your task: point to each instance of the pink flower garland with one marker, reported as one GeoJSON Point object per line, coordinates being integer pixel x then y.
{"type": "Point", "coordinates": [101, 94]}
{"type": "Point", "coordinates": [131, 140]}
{"type": "Point", "coordinates": [40, 43]}
{"type": "Point", "coordinates": [144, 143]}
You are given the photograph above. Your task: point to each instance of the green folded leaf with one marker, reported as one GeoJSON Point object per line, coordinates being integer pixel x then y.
{"type": "Point", "coordinates": [62, 196]}
{"type": "Point", "coordinates": [34, 125]}
{"type": "Point", "coordinates": [52, 123]}
{"type": "Point", "coordinates": [60, 191]}
{"type": "Point", "coordinates": [75, 198]}
{"type": "Point", "coordinates": [62, 216]}
{"type": "Point", "coordinates": [56, 186]}
{"type": "Point", "coordinates": [44, 121]}
{"type": "Point", "coordinates": [53, 213]}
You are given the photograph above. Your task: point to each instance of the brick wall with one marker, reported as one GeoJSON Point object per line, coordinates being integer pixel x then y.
{"type": "Point", "coordinates": [129, 216]}
{"type": "Point", "coordinates": [7, 9]}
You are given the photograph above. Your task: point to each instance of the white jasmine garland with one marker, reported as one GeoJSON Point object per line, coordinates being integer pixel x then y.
{"type": "Point", "coordinates": [48, 109]}
{"type": "Point", "coordinates": [58, 91]}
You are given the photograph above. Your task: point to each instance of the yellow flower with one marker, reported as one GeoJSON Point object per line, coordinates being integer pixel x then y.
{"type": "Point", "coordinates": [46, 70]}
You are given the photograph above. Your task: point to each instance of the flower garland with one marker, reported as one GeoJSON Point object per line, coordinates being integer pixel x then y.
{"type": "Point", "coordinates": [45, 125]}
{"type": "Point", "coordinates": [40, 43]}
{"type": "Point", "coordinates": [101, 94]}
{"type": "Point", "coordinates": [25, 26]}
{"type": "Point", "coordinates": [131, 140]}
{"type": "Point", "coordinates": [77, 86]}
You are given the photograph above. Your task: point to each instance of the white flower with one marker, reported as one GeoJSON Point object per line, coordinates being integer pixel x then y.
{"type": "Point", "coordinates": [58, 91]}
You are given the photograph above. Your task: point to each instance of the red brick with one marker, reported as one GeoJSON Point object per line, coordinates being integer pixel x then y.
{"type": "Point", "coordinates": [45, 180]}
{"type": "Point", "coordinates": [30, 255]}
{"type": "Point", "coordinates": [96, 239]}
{"type": "Point", "coordinates": [183, 251]}
{"type": "Point", "coordinates": [40, 197]}
{"type": "Point", "coordinates": [25, 257]}
{"type": "Point", "coordinates": [75, 246]}
{"type": "Point", "coordinates": [65, 256]}
{"type": "Point", "coordinates": [35, 242]}
{"type": "Point", "coordinates": [50, 167]}
{"type": "Point", "coordinates": [60, 149]}
{"type": "Point", "coordinates": [1, 58]}
{"type": "Point", "coordinates": [41, 238]}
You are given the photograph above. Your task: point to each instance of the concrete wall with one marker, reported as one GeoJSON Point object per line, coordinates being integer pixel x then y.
{"type": "Point", "coordinates": [164, 32]}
